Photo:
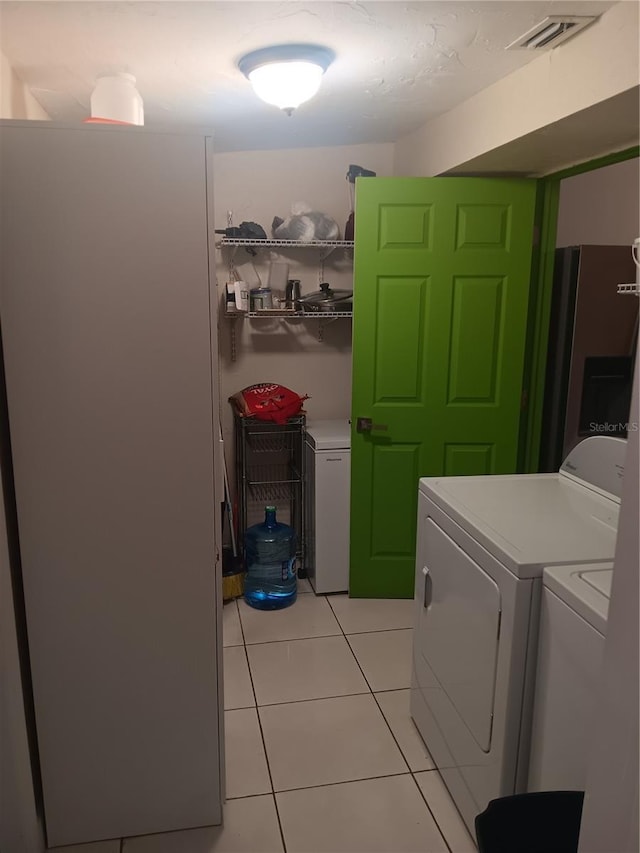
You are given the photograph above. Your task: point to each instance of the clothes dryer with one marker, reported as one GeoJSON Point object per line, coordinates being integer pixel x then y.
{"type": "Point", "coordinates": [482, 544]}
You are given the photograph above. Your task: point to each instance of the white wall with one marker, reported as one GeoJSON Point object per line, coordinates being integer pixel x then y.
{"type": "Point", "coordinates": [594, 67]}
{"type": "Point", "coordinates": [600, 207]}
{"type": "Point", "coordinates": [257, 185]}
{"type": "Point", "coordinates": [610, 817]}
{"type": "Point", "coordinates": [16, 101]}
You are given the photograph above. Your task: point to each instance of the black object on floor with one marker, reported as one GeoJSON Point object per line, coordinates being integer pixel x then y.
{"type": "Point", "coordinates": [540, 822]}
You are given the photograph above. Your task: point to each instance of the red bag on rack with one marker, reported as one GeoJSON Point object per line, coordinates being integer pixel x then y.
{"type": "Point", "coordinates": [269, 401]}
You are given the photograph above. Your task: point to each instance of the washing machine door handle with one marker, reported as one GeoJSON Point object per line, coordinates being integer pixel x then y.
{"type": "Point", "coordinates": [428, 587]}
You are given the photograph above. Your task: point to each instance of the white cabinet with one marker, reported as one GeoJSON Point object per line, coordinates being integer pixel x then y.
{"type": "Point", "coordinates": [109, 349]}
{"type": "Point", "coordinates": [328, 474]}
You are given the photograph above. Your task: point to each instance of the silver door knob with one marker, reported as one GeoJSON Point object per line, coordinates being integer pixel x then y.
{"type": "Point", "coordinates": [367, 425]}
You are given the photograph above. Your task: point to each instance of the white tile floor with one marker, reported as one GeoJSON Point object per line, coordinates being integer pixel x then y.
{"type": "Point", "coordinates": [321, 754]}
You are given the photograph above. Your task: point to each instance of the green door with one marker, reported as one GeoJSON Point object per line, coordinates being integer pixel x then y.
{"type": "Point", "coordinates": [441, 294]}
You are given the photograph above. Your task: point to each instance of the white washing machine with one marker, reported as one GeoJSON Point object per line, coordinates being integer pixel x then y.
{"type": "Point", "coordinates": [482, 545]}
{"type": "Point", "coordinates": [328, 474]}
{"type": "Point", "coordinates": [573, 627]}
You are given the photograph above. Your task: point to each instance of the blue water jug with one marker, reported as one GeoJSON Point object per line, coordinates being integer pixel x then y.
{"type": "Point", "coordinates": [270, 556]}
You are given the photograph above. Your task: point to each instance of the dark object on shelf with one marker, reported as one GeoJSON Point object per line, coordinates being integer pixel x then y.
{"type": "Point", "coordinates": [358, 172]}
{"type": "Point", "coordinates": [326, 299]}
{"type": "Point", "coordinates": [292, 292]}
{"type": "Point", "coordinates": [244, 231]}
{"type": "Point", "coordinates": [305, 227]}
{"type": "Point", "coordinates": [353, 173]}
{"type": "Point", "coordinates": [540, 822]}
{"type": "Point", "coordinates": [350, 227]}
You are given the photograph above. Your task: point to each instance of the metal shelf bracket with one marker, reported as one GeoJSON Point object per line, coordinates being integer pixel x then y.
{"type": "Point", "coordinates": [633, 289]}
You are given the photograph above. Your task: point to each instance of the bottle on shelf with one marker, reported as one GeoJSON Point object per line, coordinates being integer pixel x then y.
{"type": "Point", "coordinates": [260, 298]}
{"type": "Point", "coordinates": [292, 293]}
{"type": "Point", "coordinates": [270, 556]}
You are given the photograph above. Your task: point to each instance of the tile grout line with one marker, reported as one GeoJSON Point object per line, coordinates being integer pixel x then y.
{"type": "Point", "coordinates": [264, 743]}
{"type": "Point", "coordinates": [404, 757]}
{"type": "Point", "coordinates": [322, 698]}
{"type": "Point", "coordinates": [412, 774]}
{"type": "Point", "coordinates": [431, 812]}
{"type": "Point", "coordinates": [341, 782]}
{"type": "Point", "coordinates": [411, 771]}
{"type": "Point", "coordinates": [350, 649]}
{"type": "Point", "coordinates": [293, 640]}
{"type": "Point", "coordinates": [370, 688]}
{"type": "Point", "coordinates": [340, 633]}
{"type": "Point", "coordinates": [237, 606]}
{"type": "Point", "coordinates": [300, 701]}
{"type": "Point", "coordinates": [250, 796]}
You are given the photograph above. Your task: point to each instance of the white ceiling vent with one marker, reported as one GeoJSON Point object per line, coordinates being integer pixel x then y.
{"type": "Point", "coordinates": [551, 31]}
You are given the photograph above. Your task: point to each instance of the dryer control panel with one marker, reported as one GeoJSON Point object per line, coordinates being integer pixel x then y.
{"type": "Point", "coordinates": [598, 463]}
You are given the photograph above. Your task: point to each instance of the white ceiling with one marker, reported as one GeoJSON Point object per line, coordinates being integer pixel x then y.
{"type": "Point", "coordinates": [397, 64]}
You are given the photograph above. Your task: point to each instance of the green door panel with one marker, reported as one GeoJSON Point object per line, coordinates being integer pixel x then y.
{"type": "Point", "coordinates": [441, 294]}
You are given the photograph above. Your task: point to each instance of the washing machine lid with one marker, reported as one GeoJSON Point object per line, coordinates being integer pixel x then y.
{"type": "Point", "coordinates": [586, 589]}
{"type": "Point", "coordinates": [329, 434]}
{"type": "Point", "coordinates": [600, 579]}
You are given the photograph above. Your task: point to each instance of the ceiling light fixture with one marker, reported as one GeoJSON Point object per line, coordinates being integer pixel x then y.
{"type": "Point", "coordinates": [115, 100]}
{"type": "Point", "coordinates": [286, 75]}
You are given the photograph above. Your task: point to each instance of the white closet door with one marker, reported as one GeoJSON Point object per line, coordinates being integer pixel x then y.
{"type": "Point", "coordinates": [459, 628]}
{"type": "Point", "coordinates": [105, 312]}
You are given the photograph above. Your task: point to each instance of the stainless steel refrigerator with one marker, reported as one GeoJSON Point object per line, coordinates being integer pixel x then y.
{"type": "Point", "coordinates": [592, 341]}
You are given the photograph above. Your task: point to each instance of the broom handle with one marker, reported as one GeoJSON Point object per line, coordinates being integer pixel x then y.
{"type": "Point", "coordinates": [227, 500]}
{"type": "Point", "coordinates": [229, 511]}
